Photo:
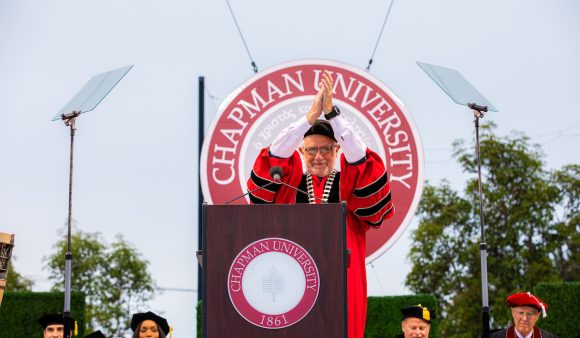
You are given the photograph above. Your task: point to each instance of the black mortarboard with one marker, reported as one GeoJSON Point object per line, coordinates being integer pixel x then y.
{"type": "Point", "coordinates": [53, 319]}
{"type": "Point", "coordinates": [138, 318]}
{"type": "Point", "coordinates": [321, 127]}
{"type": "Point", "coordinates": [96, 334]}
{"type": "Point", "coordinates": [417, 311]}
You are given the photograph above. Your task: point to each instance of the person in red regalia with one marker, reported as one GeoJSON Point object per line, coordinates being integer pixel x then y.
{"type": "Point", "coordinates": [362, 182]}
{"type": "Point", "coordinates": [526, 310]}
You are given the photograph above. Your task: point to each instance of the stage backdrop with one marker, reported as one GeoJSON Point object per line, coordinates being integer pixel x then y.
{"type": "Point", "coordinates": [251, 116]}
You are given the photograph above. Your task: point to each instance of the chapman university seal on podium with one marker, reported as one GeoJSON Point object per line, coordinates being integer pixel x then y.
{"type": "Point", "coordinates": [273, 283]}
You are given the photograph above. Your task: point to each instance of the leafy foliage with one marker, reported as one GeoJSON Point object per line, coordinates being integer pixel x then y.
{"type": "Point", "coordinates": [115, 279]}
{"type": "Point", "coordinates": [15, 281]}
{"type": "Point", "coordinates": [384, 314]}
{"type": "Point", "coordinates": [562, 299]}
{"type": "Point", "coordinates": [531, 227]}
{"type": "Point", "coordinates": [20, 311]}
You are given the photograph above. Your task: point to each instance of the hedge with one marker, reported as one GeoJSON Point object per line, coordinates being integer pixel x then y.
{"type": "Point", "coordinates": [199, 319]}
{"type": "Point", "coordinates": [563, 307]}
{"type": "Point", "coordinates": [383, 315]}
{"type": "Point", "coordinates": [20, 311]}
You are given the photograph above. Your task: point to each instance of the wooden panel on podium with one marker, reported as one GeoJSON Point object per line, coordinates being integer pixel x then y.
{"type": "Point", "coordinates": [229, 229]}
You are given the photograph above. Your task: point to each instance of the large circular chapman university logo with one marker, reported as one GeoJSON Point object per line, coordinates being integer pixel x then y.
{"type": "Point", "coordinates": [273, 283]}
{"type": "Point", "coordinates": [250, 118]}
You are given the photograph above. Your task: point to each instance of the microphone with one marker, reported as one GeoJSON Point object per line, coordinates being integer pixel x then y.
{"type": "Point", "coordinates": [276, 173]}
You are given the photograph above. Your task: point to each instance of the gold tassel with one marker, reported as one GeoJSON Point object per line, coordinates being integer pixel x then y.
{"type": "Point", "coordinates": [170, 332]}
{"type": "Point", "coordinates": [76, 328]}
{"type": "Point", "coordinates": [426, 314]}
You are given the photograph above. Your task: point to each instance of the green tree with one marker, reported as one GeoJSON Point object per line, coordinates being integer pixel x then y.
{"type": "Point", "coordinates": [532, 226]}
{"type": "Point", "coordinates": [15, 281]}
{"type": "Point", "coordinates": [115, 279]}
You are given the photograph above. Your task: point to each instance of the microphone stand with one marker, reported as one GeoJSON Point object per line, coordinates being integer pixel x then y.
{"type": "Point", "coordinates": [249, 192]}
{"type": "Point", "coordinates": [276, 175]}
{"type": "Point", "coordinates": [485, 316]}
{"type": "Point", "coordinates": [70, 121]}
{"type": "Point", "coordinates": [277, 180]}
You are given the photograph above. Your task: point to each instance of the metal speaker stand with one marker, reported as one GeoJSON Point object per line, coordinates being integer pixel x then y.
{"type": "Point", "coordinates": [464, 93]}
{"type": "Point", "coordinates": [87, 99]}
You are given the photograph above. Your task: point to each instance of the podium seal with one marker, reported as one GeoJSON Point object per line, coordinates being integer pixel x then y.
{"type": "Point", "coordinates": [273, 283]}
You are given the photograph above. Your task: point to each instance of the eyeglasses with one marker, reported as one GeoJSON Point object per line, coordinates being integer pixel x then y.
{"type": "Point", "coordinates": [528, 314]}
{"type": "Point", "coordinates": [324, 150]}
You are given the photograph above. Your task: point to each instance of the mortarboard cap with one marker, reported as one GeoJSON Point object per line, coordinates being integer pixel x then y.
{"type": "Point", "coordinates": [56, 319]}
{"type": "Point", "coordinates": [527, 299]}
{"type": "Point", "coordinates": [138, 318]}
{"type": "Point", "coordinates": [321, 127]}
{"type": "Point", "coordinates": [96, 334]}
{"type": "Point", "coordinates": [417, 311]}
{"type": "Point", "coordinates": [53, 319]}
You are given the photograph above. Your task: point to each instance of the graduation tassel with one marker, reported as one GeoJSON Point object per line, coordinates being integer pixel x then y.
{"type": "Point", "coordinates": [542, 306]}
{"type": "Point", "coordinates": [426, 314]}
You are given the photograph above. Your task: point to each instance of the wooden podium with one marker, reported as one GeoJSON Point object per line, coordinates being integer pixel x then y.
{"type": "Point", "coordinates": [234, 236]}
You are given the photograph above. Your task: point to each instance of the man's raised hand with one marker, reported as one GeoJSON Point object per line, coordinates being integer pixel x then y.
{"type": "Point", "coordinates": [327, 98]}
{"type": "Point", "coordinates": [316, 108]}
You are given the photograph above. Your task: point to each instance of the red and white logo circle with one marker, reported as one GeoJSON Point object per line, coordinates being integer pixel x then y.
{"type": "Point", "coordinates": [251, 117]}
{"type": "Point", "coordinates": [273, 283]}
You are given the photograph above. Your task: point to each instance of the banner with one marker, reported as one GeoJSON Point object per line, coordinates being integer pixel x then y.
{"type": "Point", "coordinates": [250, 118]}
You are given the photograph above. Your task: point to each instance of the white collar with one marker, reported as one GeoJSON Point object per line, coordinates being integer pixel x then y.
{"type": "Point", "coordinates": [522, 336]}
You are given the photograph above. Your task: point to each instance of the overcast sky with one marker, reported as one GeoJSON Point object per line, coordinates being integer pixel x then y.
{"type": "Point", "coordinates": [136, 154]}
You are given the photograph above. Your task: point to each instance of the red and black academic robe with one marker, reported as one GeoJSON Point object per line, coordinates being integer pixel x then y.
{"type": "Point", "coordinates": [365, 188]}
{"type": "Point", "coordinates": [510, 332]}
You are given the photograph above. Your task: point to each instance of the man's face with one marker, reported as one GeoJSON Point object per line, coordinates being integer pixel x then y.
{"type": "Point", "coordinates": [415, 328]}
{"type": "Point", "coordinates": [525, 317]}
{"type": "Point", "coordinates": [54, 331]}
{"type": "Point", "coordinates": [320, 153]}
